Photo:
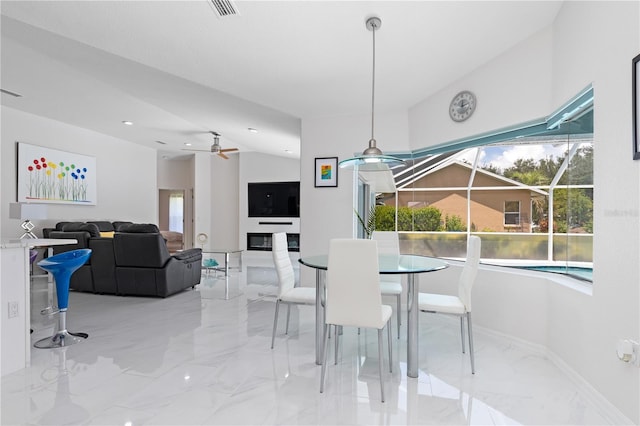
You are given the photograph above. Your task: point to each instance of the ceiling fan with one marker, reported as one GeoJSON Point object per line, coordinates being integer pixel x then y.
{"type": "Point", "coordinates": [215, 148]}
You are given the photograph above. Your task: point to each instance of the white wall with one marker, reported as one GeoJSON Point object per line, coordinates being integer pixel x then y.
{"type": "Point", "coordinates": [327, 212]}
{"type": "Point", "coordinates": [202, 196]}
{"type": "Point", "coordinates": [513, 88]}
{"type": "Point", "coordinates": [175, 173]}
{"type": "Point", "coordinates": [258, 167]}
{"type": "Point", "coordinates": [589, 42]}
{"type": "Point", "coordinates": [126, 183]}
{"type": "Point", "coordinates": [595, 42]}
{"type": "Point", "coordinates": [225, 188]}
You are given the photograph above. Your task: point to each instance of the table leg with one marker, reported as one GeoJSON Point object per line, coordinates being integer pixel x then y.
{"type": "Point", "coordinates": [226, 287]}
{"type": "Point", "coordinates": [226, 264]}
{"type": "Point", "coordinates": [319, 317]}
{"type": "Point", "coordinates": [412, 326]}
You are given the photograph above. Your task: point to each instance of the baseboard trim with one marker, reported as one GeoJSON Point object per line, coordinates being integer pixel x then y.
{"type": "Point", "coordinates": [610, 411]}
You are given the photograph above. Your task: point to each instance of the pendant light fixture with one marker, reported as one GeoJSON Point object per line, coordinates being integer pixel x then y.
{"type": "Point", "coordinates": [372, 154]}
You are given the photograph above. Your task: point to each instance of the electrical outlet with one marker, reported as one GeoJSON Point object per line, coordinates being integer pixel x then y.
{"type": "Point", "coordinates": [13, 309]}
{"type": "Point", "coordinates": [629, 351]}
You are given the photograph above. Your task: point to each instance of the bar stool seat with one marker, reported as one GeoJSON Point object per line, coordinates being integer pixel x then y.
{"type": "Point", "coordinates": [62, 266]}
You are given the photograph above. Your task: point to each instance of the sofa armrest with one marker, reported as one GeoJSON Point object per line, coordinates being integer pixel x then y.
{"type": "Point", "coordinates": [189, 254]}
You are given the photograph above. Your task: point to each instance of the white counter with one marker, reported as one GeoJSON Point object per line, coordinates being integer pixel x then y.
{"type": "Point", "coordinates": [15, 285]}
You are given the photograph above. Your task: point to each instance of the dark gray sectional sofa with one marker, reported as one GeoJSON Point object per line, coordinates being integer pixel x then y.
{"type": "Point", "coordinates": [133, 261]}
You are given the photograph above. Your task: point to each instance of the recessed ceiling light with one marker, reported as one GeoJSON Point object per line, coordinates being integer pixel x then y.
{"type": "Point", "coordinates": [128, 123]}
{"type": "Point", "coordinates": [252, 130]}
{"type": "Point", "coordinates": [288, 151]}
{"type": "Point", "coordinates": [187, 144]}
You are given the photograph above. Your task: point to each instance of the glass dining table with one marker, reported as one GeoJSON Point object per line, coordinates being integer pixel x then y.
{"type": "Point", "coordinates": [406, 264]}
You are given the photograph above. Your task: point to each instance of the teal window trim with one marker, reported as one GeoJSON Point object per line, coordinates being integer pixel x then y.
{"type": "Point", "coordinates": [559, 122]}
{"type": "Point", "coordinates": [572, 110]}
{"type": "Point", "coordinates": [530, 128]}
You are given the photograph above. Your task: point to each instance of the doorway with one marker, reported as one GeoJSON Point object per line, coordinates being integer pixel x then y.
{"type": "Point", "coordinates": [174, 213]}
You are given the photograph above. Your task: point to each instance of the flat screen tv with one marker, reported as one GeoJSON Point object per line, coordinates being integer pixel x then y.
{"type": "Point", "coordinates": [274, 199]}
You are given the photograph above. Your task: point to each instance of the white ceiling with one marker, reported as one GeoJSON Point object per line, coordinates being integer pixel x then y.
{"type": "Point", "coordinates": [177, 70]}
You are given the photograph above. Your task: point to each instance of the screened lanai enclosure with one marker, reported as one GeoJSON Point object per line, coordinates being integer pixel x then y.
{"type": "Point", "coordinates": [528, 192]}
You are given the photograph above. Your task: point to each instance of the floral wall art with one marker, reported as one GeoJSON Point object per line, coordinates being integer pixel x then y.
{"type": "Point", "coordinates": [48, 175]}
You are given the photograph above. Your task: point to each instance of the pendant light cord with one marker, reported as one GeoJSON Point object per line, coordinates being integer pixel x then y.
{"type": "Point", "coordinates": [373, 84]}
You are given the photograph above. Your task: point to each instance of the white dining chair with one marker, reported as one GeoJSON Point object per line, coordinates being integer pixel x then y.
{"type": "Point", "coordinates": [390, 284]}
{"type": "Point", "coordinates": [459, 305]}
{"type": "Point", "coordinates": [353, 296]}
{"type": "Point", "coordinates": [287, 291]}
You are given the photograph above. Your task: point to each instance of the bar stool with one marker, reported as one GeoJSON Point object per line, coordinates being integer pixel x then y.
{"type": "Point", "coordinates": [62, 266]}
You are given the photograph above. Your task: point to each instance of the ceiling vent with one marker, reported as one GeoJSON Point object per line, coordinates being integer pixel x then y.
{"type": "Point", "coordinates": [15, 95]}
{"type": "Point", "coordinates": [224, 8]}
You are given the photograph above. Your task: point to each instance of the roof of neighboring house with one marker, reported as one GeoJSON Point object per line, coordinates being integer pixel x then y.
{"type": "Point", "coordinates": [452, 161]}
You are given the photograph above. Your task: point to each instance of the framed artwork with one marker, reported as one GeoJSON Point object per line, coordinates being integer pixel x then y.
{"type": "Point", "coordinates": [47, 175]}
{"type": "Point", "coordinates": [326, 172]}
{"type": "Point", "coordinates": [635, 84]}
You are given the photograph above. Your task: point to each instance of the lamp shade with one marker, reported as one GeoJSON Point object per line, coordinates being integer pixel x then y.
{"type": "Point", "coordinates": [370, 159]}
{"type": "Point", "coordinates": [27, 211]}
{"type": "Point", "coordinates": [378, 176]}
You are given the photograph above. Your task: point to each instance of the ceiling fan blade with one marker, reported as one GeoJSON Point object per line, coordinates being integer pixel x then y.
{"type": "Point", "coordinates": [228, 149]}
{"type": "Point", "coordinates": [220, 154]}
{"type": "Point", "coordinates": [197, 150]}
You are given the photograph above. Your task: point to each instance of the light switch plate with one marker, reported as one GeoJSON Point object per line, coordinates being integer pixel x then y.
{"type": "Point", "coordinates": [13, 309]}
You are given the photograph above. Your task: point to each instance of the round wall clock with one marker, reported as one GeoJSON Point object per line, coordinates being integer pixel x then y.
{"type": "Point", "coordinates": [462, 106]}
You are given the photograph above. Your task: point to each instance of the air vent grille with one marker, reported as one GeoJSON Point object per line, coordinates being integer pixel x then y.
{"type": "Point", "coordinates": [224, 8]}
{"type": "Point", "coordinates": [15, 95]}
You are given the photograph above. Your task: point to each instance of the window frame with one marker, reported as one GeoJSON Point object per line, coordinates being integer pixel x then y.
{"type": "Point", "coordinates": [511, 213]}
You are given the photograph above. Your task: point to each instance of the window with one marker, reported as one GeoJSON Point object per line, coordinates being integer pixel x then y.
{"type": "Point", "coordinates": [512, 213]}
{"type": "Point", "coordinates": [528, 191]}
{"type": "Point", "coordinates": [176, 212]}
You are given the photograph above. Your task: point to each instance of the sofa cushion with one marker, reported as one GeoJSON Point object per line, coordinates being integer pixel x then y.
{"type": "Point", "coordinates": [60, 225]}
{"type": "Point", "coordinates": [91, 228]}
{"type": "Point", "coordinates": [118, 224]}
{"type": "Point", "coordinates": [103, 225]}
{"type": "Point", "coordinates": [139, 228]}
{"type": "Point", "coordinates": [142, 250]}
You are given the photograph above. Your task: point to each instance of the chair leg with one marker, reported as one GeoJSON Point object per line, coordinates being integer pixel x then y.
{"type": "Point", "coordinates": [399, 313]}
{"type": "Point", "coordinates": [389, 343]}
{"type": "Point", "coordinates": [325, 349]}
{"type": "Point", "coordinates": [275, 323]}
{"type": "Point", "coordinates": [473, 367]}
{"type": "Point", "coordinates": [337, 339]}
{"type": "Point", "coordinates": [462, 331]}
{"type": "Point", "coordinates": [286, 330]}
{"type": "Point", "coordinates": [380, 361]}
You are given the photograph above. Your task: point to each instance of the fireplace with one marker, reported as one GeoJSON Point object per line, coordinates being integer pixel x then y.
{"type": "Point", "coordinates": [262, 241]}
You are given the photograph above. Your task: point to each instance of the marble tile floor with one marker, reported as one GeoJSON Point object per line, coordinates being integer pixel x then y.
{"type": "Point", "coordinates": [198, 358]}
